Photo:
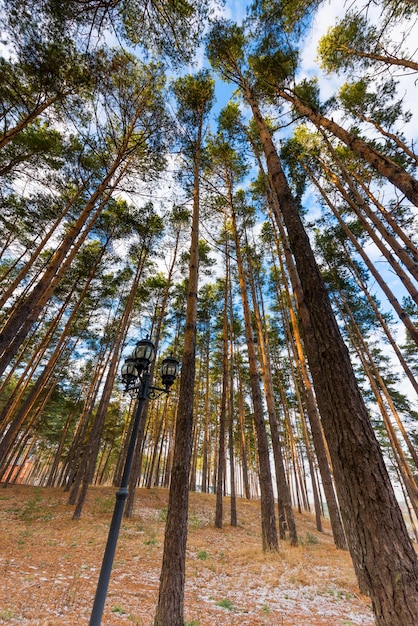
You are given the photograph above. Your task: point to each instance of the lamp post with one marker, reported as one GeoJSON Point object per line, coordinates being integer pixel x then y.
{"type": "Point", "coordinates": [136, 376]}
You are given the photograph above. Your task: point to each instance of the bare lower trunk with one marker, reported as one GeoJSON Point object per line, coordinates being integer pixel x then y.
{"type": "Point", "coordinates": [268, 519]}
{"type": "Point", "coordinates": [170, 607]}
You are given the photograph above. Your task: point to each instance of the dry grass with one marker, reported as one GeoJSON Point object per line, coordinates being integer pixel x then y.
{"type": "Point", "coordinates": [50, 565]}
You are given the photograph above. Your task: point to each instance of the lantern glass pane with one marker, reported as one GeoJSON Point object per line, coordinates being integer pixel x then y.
{"type": "Point", "coordinates": [169, 367]}
{"type": "Point", "coordinates": [144, 350]}
{"type": "Point", "coordinates": [129, 370]}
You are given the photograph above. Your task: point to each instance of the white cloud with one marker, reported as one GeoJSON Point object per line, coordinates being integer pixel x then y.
{"type": "Point", "coordinates": [235, 10]}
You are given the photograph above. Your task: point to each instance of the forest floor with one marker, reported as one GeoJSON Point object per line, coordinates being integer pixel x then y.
{"type": "Point", "coordinates": [49, 565]}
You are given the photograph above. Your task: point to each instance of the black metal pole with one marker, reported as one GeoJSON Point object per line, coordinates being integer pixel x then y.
{"type": "Point", "coordinates": [121, 495]}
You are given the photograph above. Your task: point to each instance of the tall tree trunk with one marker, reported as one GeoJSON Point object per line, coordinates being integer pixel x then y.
{"type": "Point", "coordinates": [310, 400]}
{"type": "Point", "coordinates": [283, 492]}
{"type": "Point", "coordinates": [268, 519]}
{"type": "Point", "coordinates": [206, 443]}
{"type": "Point", "coordinates": [403, 316]}
{"type": "Point", "coordinates": [411, 248]}
{"type": "Point", "coordinates": [243, 439]}
{"type": "Point", "coordinates": [222, 416]}
{"type": "Point", "coordinates": [136, 464]}
{"type": "Point", "coordinates": [384, 559]}
{"type": "Point", "coordinates": [355, 201]}
{"type": "Point", "coordinates": [170, 607]}
{"type": "Point", "coordinates": [45, 375]}
{"type": "Point", "coordinates": [311, 407]}
{"type": "Point", "coordinates": [381, 320]}
{"type": "Point", "coordinates": [378, 385]}
{"type": "Point", "coordinates": [385, 166]}
{"type": "Point", "coordinates": [93, 446]}
{"type": "Point", "coordinates": [401, 252]}
{"type": "Point", "coordinates": [26, 313]}
{"type": "Point", "coordinates": [71, 474]}
{"type": "Point", "coordinates": [231, 446]}
{"type": "Point", "coordinates": [24, 271]}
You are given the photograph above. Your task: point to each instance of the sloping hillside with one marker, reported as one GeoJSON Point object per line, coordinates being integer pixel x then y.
{"type": "Point", "coordinates": [50, 565]}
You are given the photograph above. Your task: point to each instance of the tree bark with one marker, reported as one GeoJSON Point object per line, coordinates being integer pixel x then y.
{"type": "Point", "coordinates": [384, 559]}
{"type": "Point", "coordinates": [379, 162]}
{"type": "Point", "coordinates": [268, 519]}
{"type": "Point", "coordinates": [170, 607]}
{"type": "Point", "coordinates": [311, 405]}
{"type": "Point", "coordinates": [264, 356]}
{"type": "Point", "coordinates": [222, 417]}
{"type": "Point", "coordinates": [26, 313]}
{"type": "Point", "coordinates": [403, 316]}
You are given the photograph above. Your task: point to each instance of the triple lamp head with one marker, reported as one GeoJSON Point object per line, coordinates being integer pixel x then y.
{"type": "Point", "coordinates": [140, 359]}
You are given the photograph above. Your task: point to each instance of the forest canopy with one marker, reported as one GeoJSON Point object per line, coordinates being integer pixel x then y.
{"type": "Point", "coordinates": [240, 188]}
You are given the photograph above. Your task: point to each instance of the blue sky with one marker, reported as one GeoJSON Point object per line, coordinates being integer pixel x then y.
{"type": "Point", "coordinates": [327, 15]}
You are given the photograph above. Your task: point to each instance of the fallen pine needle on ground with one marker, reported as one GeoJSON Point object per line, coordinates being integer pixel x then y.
{"type": "Point", "coordinates": [50, 565]}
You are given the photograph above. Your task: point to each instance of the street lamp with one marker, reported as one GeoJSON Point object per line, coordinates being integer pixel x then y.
{"type": "Point", "coordinates": [136, 376]}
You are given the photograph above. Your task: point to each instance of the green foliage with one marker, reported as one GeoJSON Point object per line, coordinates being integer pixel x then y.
{"type": "Point", "coordinates": [162, 515]}
{"type": "Point", "coordinates": [158, 27]}
{"type": "Point", "coordinates": [194, 94]}
{"type": "Point", "coordinates": [353, 31]}
{"type": "Point", "coordinates": [202, 555]}
{"type": "Point", "coordinates": [375, 102]}
{"type": "Point", "coordinates": [37, 144]}
{"type": "Point", "coordinates": [226, 604]}
{"type": "Point", "coordinates": [355, 43]}
{"type": "Point", "coordinates": [35, 509]}
{"type": "Point", "coordinates": [308, 92]}
{"type": "Point", "coordinates": [225, 49]}
{"type": "Point", "coordinates": [311, 540]}
{"type": "Point", "coordinates": [230, 117]}
{"type": "Point", "coordinates": [291, 17]}
{"type": "Point", "coordinates": [292, 153]}
{"type": "Point", "coordinates": [274, 69]}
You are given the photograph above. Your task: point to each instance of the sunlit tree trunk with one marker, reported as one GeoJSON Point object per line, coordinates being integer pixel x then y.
{"type": "Point", "coordinates": [384, 559]}
{"type": "Point", "coordinates": [26, 313]}
{"type": "Point", "coordinates": [222, 416]}
{"type": "Point", "coordinates": [264, 357]}
{"type": "Point", "coordinates": [378, 385]}
{"type": "Point", "coordinates": [311, 405]}
{"type": "Point", "coordinates": [385, 166]}
{"type": "Point", "coordinates": [268, 519]}
{"type": "Point", "coordinates": [243, 439]}
{"type": "Point", "coordinates": [195, 96]}
{"type": "Point", "coordinates": [403, 316]}
{"type": "Point", "coordinates": [206, 442]}
{"type": "Point", "coordinates": [231, 446]}
{"type": "Point", "coordinates": [53, 360]}
{"type": "Point", "coordinates": [41, 246]}
{"type": "Point", "coordinates": [381, 320]}
{"type": "Point", "coordinates": [93, 445]}
{"type": "Point", "coordinates": [355, 201]}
